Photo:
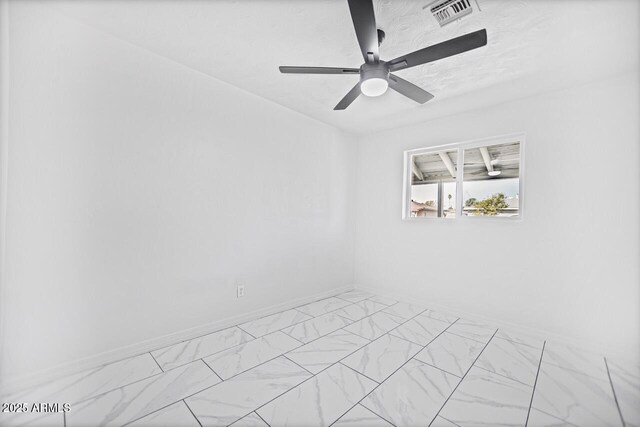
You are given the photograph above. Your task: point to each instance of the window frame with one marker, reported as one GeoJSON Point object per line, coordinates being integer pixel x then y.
{"type": "Point", "coordinates": [460, 147]}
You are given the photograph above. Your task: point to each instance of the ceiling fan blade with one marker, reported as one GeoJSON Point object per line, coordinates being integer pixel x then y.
{"type": "Point", "coordinates": [364, 22]}
{"type": "Point", "coordinates": [318, 70]}
{"type": "Point", "coordinates": [441, 50]}
{"type": "Point", "coordinates": [348, 98]}
{"type": "Point", "coordinates": [409, 89]}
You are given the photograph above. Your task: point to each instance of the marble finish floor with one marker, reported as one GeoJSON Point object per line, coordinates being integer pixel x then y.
{"type": "Point", "coordinates": [354, 359]}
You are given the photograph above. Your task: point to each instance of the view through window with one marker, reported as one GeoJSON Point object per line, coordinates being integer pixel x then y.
{"type": "Point", "coordinates": [491, 184]}
{"type": "Point", "coordinates": [433, 186]}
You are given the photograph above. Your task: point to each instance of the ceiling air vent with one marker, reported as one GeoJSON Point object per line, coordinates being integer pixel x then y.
{"type": "Point", "coordinates": [446, 11]}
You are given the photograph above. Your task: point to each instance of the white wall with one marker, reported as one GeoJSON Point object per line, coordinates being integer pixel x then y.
{"type": "Point", "coordinates": [570, 267]}
{"type": "Point", "coordinates": [139, 191]}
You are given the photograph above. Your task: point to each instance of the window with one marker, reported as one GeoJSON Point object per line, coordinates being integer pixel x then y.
{"type": "Point", "coordinates": [491, 182]}
{"type": "Point", "coordinates": [471, 179]}
{"type": "Point", "coordinates": [433, 184]}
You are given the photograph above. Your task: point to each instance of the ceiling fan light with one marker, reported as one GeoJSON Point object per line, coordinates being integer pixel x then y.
{"type": "Point", "coordinates": [374, 86]}
{"type": "Point", "coordinates": [494, 173]}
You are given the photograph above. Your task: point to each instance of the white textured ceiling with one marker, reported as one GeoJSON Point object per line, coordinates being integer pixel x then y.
{"type": "Point", "coordinates": [533, 46]}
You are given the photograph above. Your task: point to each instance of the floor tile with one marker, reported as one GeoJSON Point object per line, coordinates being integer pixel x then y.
{"type": "Point", "coordinates": [375, 325]}
{"type": "Point", "coordinates": [438, 315]}
{"type": "Point", "coordinates": [574, 397]}
{"type": "Point", "coordinates": [238, 359]}
{"type": "Point", "coordinates": [355, 296]}
{"type": "Point", "coordinates": [421, 329]}
{"type": "Point", "coordinates": [451, 353]}
{"type": "Point", "coordinates": [626, 384]}
{"type": "Point", "coordinates": [126, 404]}
{"type": "Point", "coordinates": [371, 307]}
{"type": "Point", "coordinates": [320, 401]}
{"type": "Point", "coordinates": [275, 322]}
{"type": "Point", "coordinates": [382, 357]}
{"type": "Point", "coordinates": [413, 395]}
{"type": "Point", "coordinates": [174, 415]}
{"type": "Point", "coordinates": [575, 359]}
{"type": "Point", "coordinates": [540, 419]}
{"type": "Point", "coordinates": [31, 419]}
{"type": "Point", "coordinates": [473, 330]}
{"type": "Point", "coordinates": [323, 306]}
{"type": "Point", "coordinates": [251, 420]}
{"type": "Point", "coordinates": [90, 383]}
{"type": "Point", "coordinates": [486, 399]}
{"type": "Point", "coordinates": [231, 400]}
{"type": "Point", "coordinates": [520, 338]}
{"type": "Point", "coordinates": [315, 328]}
{"type": "Point", "coordinates": [441, 422]}
{"type": "Point", "coordinates": [323, 352]}
{"type": "Point", "coordinates": [383, 300]}
{"type": "Point", "coordinates": [404, 310]}
{"type": "Point", "coordinates": [516, 361]}
{"type": "Point", "coordinates": [360, 309]}
{"type": "Point", "coordinates": [360, 416]}
{"type": "Point", "coordinates": [197, 348]}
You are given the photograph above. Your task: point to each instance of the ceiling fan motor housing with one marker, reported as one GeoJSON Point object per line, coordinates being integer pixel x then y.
{"type": "Point", "coordinates": [374, 71]}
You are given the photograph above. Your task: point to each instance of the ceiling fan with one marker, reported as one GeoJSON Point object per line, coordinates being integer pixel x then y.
{"type": "Point", "coordinates": [375, 74]}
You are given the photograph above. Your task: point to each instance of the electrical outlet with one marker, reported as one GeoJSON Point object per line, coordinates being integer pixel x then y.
{"type": "Point", "coordinates": [240, 290]}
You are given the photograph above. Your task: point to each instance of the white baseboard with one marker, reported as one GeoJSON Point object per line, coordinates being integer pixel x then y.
{"type": "Point", "coordinates": [520, 329]}
{"type": "Point", "coordinates": [21, 383]}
